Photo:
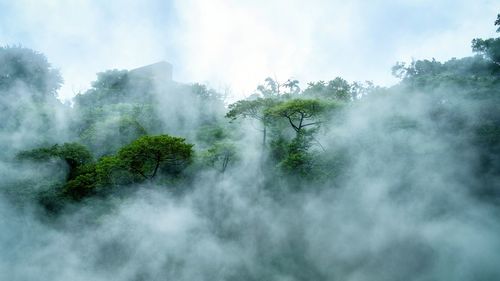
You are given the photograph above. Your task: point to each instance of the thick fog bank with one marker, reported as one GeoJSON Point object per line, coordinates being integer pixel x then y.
{"type": "Point", "coordinates": [144, 178]}
{"type": "Point", "coordinates": [401, 211]}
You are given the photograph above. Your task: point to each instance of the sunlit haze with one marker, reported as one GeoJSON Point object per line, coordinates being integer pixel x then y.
{"type": "Point", "coordinates": [234, 45]}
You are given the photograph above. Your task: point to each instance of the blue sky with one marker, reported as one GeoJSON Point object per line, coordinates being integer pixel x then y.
{"type": "Point", "coordinates": [236, 44]}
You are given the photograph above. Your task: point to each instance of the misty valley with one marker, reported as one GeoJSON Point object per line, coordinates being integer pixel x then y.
{"type": "Point", "coordinates": [141, 177]}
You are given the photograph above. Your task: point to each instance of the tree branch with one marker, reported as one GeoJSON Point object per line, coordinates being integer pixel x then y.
{"type": "Point", "coordinates": [313, 123]}
{"type": "Point", "coordinates": [293, 125]}
{"type": "Point", "coordinates": [139, 172]}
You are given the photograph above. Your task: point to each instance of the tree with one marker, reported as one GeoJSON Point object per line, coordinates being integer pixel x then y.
{"type": "Point", "coordinates": [253, 109]}
{"type": "Point", "coordinates": [28, 97]}
{"type": "Point", "coordinates": [336, 89]}
{"type": "Point", "coordinates": [270, 88]}
{"type": "Point", "coordinates": [115, 127]}
{"type": "Point", "coordinates": [111, 86]}
{"type": "Point", "coordinates": [340, 89]}
{"type": "Point", "coordinates": [301, 113]}
{"type": "Point", "coordinates": [148, 155]}
{"type": "Point", "coordinates": [293, 86]}
{"type": "Point", "coordinates": [107, 173]}
{"type": "Point", "coordinates": [489, 48]}
{"type": "Point", "coordinates": [360, 89]}
{"type": "Point", "coordinates": [220, 155]}
{"type": "Point", "coordinates": [204, 93]}
{"type": "Point", "coordinates": [111, 80]}
{"type": "Point", "coordinates": [297, 159]}
{"type": "Point", "coordinates": [22, 66]}
{"type": "Point", "coordinates": [497, 22]}
{"type": "Point", "coordinates": [74, 154]}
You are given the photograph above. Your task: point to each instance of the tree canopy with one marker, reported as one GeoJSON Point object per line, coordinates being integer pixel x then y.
{"type": "Point", "coordinates": [74, 154]}
{"type": "Point", "coordinates": [23, 67]}
{"type": "Point", "coordinates": [149, 154]}
{"type": "Point", "coordinates": [120, 131]}
{"type": "Point", "coordinates": [301, 113]}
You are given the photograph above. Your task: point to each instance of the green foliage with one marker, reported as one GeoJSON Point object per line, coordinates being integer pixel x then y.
{"type": "Point", "coordinates": [111, 80]}
{"type": "Point", "coordinates": [271, 88]}
{"type": "Point", "coordinates": [301, 113]}
{"type": "Point", "coordinates": [28, 100]}
{"type": "Point", "coordinates": [255, 109]}
{"type": "Point", "coordinates": [337, 89]}
{"type": "Point", "coordinates": [489, 48]}
{"type": "Point", "coordinates": [107, 128]}
{"type": "Point", "coordinates": [210, 134]}
{"type": "Point", "coordinates": [79, 161]}
{"type": "Point", "coordinates": [293, 86]}
{"type": "Point", "coordinates": [304, 116]}
{"type": "Point", "coordinates": [122, 106]}
{"type": "Point", "coordinates": [279, 149]}
{"type": "Point", "coordinates": [201, 91]}
{"type": "Point", "coordinates": [141, 160]}
{"type": "Point", "coordinates": [219, 156]}
{"type": "Point", "coordinates": [92, 178]}
{"type": "Point", "coordinates": [298, 161]}
{"type": "Point", "coordinates": [150, 154]}
{"type": "Point", "coordinates": [83, 185]}
{"type": "Point", "coordinates": [497, 22]}
{"type": "Point", "coordinates": [24, 67]}
{"type": "Point", "coordinates": [115, 86]}
{"type": "Point", "coordinates": [209, 105]}
{"type": "Point", "coordinates": [39, 154]}
{"type": "Point", "coordinates": [74, 154]}
{"type": "Point", "coordinates": [464, 103]}
{"type": "Point", "coordinates": [458, 100]}
{"type": "Point", "coordinates": [250, 108]}
{"type": "Point", "coordinates": [421, 68]}
{"type": "Point", "coordinates": [468, 76]}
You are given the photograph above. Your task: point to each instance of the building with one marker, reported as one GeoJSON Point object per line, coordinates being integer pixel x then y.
{"type": "Point", "coordinates": [160, 71]}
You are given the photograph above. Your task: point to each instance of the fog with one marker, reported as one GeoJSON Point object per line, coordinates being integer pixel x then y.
{"type": "Point", "coordinates": [402, 212]}
{"type": "Point", "coordinates": [400, 183]}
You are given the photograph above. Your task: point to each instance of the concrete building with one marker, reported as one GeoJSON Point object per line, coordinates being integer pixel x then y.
{"type": "Point", "coordinates": [160, 71]}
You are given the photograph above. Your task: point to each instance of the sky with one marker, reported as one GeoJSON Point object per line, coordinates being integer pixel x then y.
{"type": "Point", "coordinates": [234, 45]}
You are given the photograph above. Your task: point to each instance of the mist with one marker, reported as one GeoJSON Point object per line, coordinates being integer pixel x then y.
{"type": "Point", "coordinates": [141, 176]}
{"type": "Point", "coordinates": [237, 45]}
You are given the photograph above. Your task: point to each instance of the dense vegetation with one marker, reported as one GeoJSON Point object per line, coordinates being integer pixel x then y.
{"type": "Point", "coordinates": [438, 128]}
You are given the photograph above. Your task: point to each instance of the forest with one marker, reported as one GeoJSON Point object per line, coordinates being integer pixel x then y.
{"type": "Point", "coordinates": [139, 178]}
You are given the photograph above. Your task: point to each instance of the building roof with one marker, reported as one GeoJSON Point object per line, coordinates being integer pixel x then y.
{"type": "Point", "coordinates": [158, 71]}
{"type": "Point", "coordinates": [156, 65]}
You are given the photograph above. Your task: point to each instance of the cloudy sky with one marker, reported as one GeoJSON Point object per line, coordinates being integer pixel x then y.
{"type": "Point", "coordinates": [236, 44]}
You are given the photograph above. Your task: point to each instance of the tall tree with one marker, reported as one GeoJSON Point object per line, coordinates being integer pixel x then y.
{"type": "Point", "coordinates": [301, 113]}
{"type": "Point", "coordinates": [74, 154]}
{"type": "Point", "coordinates": [271, 88]}
{"type": "Point", "coordinates": [489, 48]}
{"type": "Point", "coordinates": [293, 86]}
{"type": "Point", "coordinates": [26, 68]}
{"type": "Point", "coordinates": [336, 89]}
{"type": "Point", "coordinates": [497, 22]}
{"type": "Point", "coordinates": [148, 155]}
{"type": "Point", "coordinates": [255, 109]}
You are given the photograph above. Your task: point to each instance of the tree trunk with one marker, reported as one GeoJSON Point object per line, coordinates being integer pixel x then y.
{"type": "Point", "coordinates": [264, 133]}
